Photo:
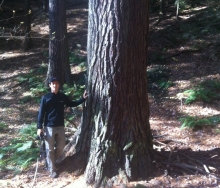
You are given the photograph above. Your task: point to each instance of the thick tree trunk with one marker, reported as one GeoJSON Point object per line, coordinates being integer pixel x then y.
{"type": "Point", "coordinates": [58, 45]}
{"type": "Point", "coordinates": [115, 131]}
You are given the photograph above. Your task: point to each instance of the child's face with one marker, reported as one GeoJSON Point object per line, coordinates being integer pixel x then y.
{"type": "Point", "coordinates": [54, 86]}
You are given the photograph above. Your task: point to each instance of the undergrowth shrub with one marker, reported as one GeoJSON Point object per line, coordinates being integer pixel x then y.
{"type": "Point", "coordinates": [206, 91]}
{"type": "Point", "coordinates": [199, 94]}
{"type": "Point", "coordinates": [197, 122]}
{"type": "Point", "coordinates": [158, 80]}
{"type": "Point", "coordinates": [3, 127]}
{"type": "Point", "coordinates": [43, 68]}
{"type": "Point", "coordinates": [35, 93]}
{"type": "Point", "coordinates": [21, 151]}
{"type": "Point", "coordinates": [75, 91]}
{"type": "Point", "coordinates": [38, 91]}
{"type": "Point", "coordinates": [187, 4]}
{"type": "Point", "coordinates": [75, 58]}
{"type": "Point", "coordinates": [34, 82]}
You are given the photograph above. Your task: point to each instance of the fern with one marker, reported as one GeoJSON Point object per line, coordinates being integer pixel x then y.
{"type": "Point", "coordinates": [164, 84]}
{"type": "Point", "coordinates": [202, 92]}
{"type": "Point", "coordinates": [25, 146]}
{"type": "Point", "coordinates": [193, 122]}
{"type": "Point", "coordinates": [21, 151]}
{"type": "Point", "coordinates": [28, 130]}
{"type": "Point", "coordinates": [211, 84]}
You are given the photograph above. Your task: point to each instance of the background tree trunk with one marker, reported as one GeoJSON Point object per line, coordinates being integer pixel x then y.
{"type": "Point", "coordinates": [27, 42]}
{"type": "Point", "coordinates": [45, 5]}
{"type": "Point", "coordinates": [58, 45]}
{"type": "Point", "coordinates": [115, 132]}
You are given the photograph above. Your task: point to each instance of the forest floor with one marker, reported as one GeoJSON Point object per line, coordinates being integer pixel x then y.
{"type": "Point", "coordinates": [189, 60]}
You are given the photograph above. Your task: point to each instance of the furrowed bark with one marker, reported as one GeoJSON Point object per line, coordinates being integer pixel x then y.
{"type": "Point", "coordinates": [115, 129]}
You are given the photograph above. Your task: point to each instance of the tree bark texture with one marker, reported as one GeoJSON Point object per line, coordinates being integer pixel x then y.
{"type": "Point", "coordinates": [115, 129]}
{"type": "Point", "coordinates": [58, 44]}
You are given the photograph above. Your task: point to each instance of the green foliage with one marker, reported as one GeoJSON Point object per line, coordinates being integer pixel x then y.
{"type": "Point", "coordinates": [198, 94]}
{"type": "Point", "coordinates": [82, 65]}
{"type": "Point", "coordinates": [211, 84]}
{"type": "Point", "coordinates": [35, 83]}
{"type": "Point", "coordinates": [43, 68]}
{"type": "Point", "coordinates": [68, 119]}
{"type": "Point", "coordinates": [26, 99]}
{"type": "Point", "coordinates": [159, 57]}
{"type": "Point", "coordinates": [157, 73]}
{"type": "Point", "coordinates": [165, 84]}
{"type": "Point", "coordinates": [21, 151]}
{"type": "Point", "coordinates": [158, 80]}
{"type": "Point", "coordinates": [196, 122]}
{"type": "Point", "coordinates": [22, 79]}
{"type": "Point", "coordinates": [46, 53]}
{"type": "Point", "coordinates": [36, 93]}
{"type": "Point", "coordinates": [187, 4]}
{"type": "Point", "coordinates": [3, 127]}
{"type": "Point", "coordinates": [39, 90]}
{"type": "Point", "coordinates": [32, 79]}
{"type": "Point", "coordinates": [202, 23]}
{"type": "Point", "coordinates": [207, 91]}
{"type": "Point", "coordinates": [75, 91]}
{"type": "Point", "coordinates": [28, 130]}
{"type": "Point", "coordinates": [183, 4]}
{"type": "Point", "coordinates": [76, 59]}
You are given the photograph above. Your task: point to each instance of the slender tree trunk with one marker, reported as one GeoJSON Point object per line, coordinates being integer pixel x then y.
{"type": "Point", "coordinates": [177, 8]}
{"type": "Point", "coordinates": [45, 5]}
{"type": "Point", "coordinates": [115, 136]}
{"type": "Point", "coordinates": [27, 42]}
{"type": "Point", "coordinates": [58, 45]}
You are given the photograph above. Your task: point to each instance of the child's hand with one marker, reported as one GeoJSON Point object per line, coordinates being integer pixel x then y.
{"type": "Point", "coordinates": [85, 95]}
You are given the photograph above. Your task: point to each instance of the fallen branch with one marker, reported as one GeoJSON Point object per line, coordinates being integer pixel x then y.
{"type": "Point", "coordinates": [160, 142]}
{"type": "Point", "coordinates": [189, 167]}
{"type": "Point", "coordinates": [205, 167]}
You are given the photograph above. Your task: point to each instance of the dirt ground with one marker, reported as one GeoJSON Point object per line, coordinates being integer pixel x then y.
{"type": "Point", "coordinates": [184, 145]}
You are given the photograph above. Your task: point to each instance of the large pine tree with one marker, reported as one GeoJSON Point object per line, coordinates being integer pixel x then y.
{"type": "Point", "coordinates": [114, 138]}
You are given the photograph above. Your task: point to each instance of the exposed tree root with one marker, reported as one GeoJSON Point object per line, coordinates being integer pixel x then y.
{"type": "Point", "coordinates": [171, 162]}
{"type": "Point", "coordinates": [187, 161]}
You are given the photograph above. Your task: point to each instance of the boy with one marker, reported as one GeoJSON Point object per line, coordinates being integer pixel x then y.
{"type": "Point", "coordinates": [51, 113]}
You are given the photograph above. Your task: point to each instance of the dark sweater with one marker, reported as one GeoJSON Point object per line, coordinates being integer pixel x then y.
{"type": "Point", "coordinates": [52, 109]}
